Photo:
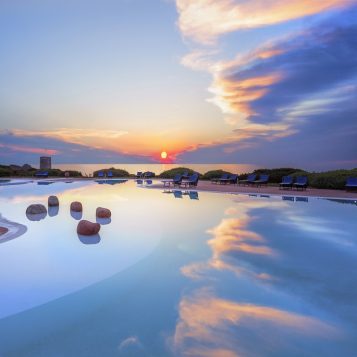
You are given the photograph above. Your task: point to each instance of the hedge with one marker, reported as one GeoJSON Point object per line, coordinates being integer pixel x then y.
{"type": "Point", "coordinates": [178, 170]}
{"type": "Point", "coordinates": [209, 175]}
{"type": "Point", "coordinates": [116, 172]}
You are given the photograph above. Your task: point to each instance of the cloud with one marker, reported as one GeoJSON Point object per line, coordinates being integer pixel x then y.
{"type": "Point", "coordinates": [20, 146]}
{"type": "Point", "coordinates": [231, 235]}
{"type": "Point", "coordinates": [74, 135]}
{"type": "Point", "coordinates": [129, 343]}
{"type": "Point", "coordinates": [300, 88]}
{"type": "Point", "coordinates": [26, 149]}
{"type": "Point", "coordinates": [205, 20]}
{"type": "Point", "coordinates": [207, 322]}
{"type": "Point", "coordinates": [233, 238]}
{"type": "Point", "coordinates": [259, 314]}
{"type": "Point", "coordinates": [269, 89]}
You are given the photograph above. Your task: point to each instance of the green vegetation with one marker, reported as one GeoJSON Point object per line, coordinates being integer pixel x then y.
{"type": "Point", "coordinates": [5, 171]}
{"type": "Point", "coordinates": [173, 172]}
{"type": "Point", "coordinates": [28, 171]}
{"type": "Point", "coordinates": [60, 173]}
{"type": "Point", "coordinates": [116, 172]}
{"type": "Point", "coordinates": [209, 175]}
{"type": "Point", "coordinates": [276, 175]}
{"type": "Point", "coordinates": [329, 180]}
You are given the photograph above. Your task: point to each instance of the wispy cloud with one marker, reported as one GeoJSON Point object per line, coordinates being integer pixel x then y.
{"type": "Point", "coordinates": [207, 320]}
{"type": "Point", "coordinates": [27, 149]}
{"type": "Point", "coordinates": [74, 135]}
{"type": "Point", "coordinates": [31, 144]}
{"type": "Point", "coordinates": [205, 20]}
{"type": "Point", "coordinates": [280, 88]}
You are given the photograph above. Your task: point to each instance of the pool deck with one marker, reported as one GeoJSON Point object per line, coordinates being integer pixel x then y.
{"type": "Point", "coordinates": [207, 186]}
{"type": "Point", "coordinates": [269, 190]}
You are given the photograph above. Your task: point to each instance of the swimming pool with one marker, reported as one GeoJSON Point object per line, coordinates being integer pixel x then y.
{"type": "Point", "coordinates": [178, 273]}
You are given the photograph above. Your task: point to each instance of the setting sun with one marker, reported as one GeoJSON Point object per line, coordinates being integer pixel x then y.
{"type": "Point", "coordinates": [164, 155]}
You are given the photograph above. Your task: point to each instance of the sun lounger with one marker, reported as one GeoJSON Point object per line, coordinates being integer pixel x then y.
{"type": "Point", "coordinates": [185, 175]}
{"type": "Point", "coordinates": [263, 180]}
{"type": "Point", "coordinates": [139, 174]}
{"type": "Point", "coordinates": [191, 181]}
{"type": "Point", "coordinates": [110, 174]}
{"type": "Point", "coordinates": [101, 174]}
{"type": "Point", "coordinates": [249, 181]}
{"type": "Point", "coordinates": [176, 181]}
{"type": "Point", "coordinates": [301, 182]}
{"type": "Point", "coordinates": [148, 174]}
{"type": "Point", "coordinates": [233, 179]}
{"type": "Point", "coordinates": [351, 183]}
{"type": "Point", "coordinates": [301, 199]}
{"type": "Point", "coordinates": [286, 182]}
{"type": "Point", "coordinates": [218, 179]}
{"type": "Point", "coordinates": [41, 174]}
{"type": "Point", "coordinates": [193, 195]}
{"type": "Point", "coordinates": [177, 194]}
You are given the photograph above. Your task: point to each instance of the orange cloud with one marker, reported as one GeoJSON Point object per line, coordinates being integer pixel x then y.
{"type": "Point", "coordinates": [232, 235]}
{"type": "Point", "coordinates": [28, 149]}
{"type": "Point", "coordinates": [205, 20]}
{"type": "Point", "coordinates": [143, 144]}
{"type": "Point", "coordinates": [234, 95]}
{"type": "Point", "coordinates": [205, 320]}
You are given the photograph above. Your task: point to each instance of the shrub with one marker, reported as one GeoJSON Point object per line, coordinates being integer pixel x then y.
{"type": "Point", "coordinates": [209, 175]}
{"type": "Point", "coordinates": [330, 179]}
{"type": "Point", "coordinates": [5, 171]}
{"type": "Point", "coordinates": [169, 174]}
{"type": "Point", "coordinates": [72, 173]}
{"type": "Point", "coordinates": [31, 171]}
{"type": "Point", "coordinates": [276, 175]}
{"type": "Point", "coordinates": [116, 172]}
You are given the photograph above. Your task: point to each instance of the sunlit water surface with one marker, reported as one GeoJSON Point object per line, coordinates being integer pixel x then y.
{"type": "Point", "coordinates": [88, 169]}
{"type": "Point", "coordinates": [176, 274]}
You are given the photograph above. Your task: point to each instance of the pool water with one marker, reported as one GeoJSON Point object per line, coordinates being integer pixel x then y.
{"type": "Point", "coordinates": [177, 273]}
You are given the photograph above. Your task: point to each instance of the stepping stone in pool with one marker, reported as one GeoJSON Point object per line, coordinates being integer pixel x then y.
{"type": "Point", "coordinates": [36, 209]}
{"type": "Point", "coordinates": [87, 228]}
{"type": "Point", "coordinates": [103, 212]}
{"type": "Point", "coordinates": [76, 207]}
{"type": "Point", "coordinates": [36, 212]}
{"type": "Point", "coordinates": [53, 201]}
{"type": "Point", "coordinates": [3, 230]}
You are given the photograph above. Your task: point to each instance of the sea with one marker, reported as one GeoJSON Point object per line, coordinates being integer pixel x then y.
{"type": "Point", "coordinates": [88, 169]}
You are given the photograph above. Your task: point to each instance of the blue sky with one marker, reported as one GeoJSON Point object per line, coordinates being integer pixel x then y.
{"type": "Point", "coordinates": [226, 81]}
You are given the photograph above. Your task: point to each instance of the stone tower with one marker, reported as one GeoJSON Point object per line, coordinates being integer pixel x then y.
{"type": "Point", "coordinates": [45, 163]}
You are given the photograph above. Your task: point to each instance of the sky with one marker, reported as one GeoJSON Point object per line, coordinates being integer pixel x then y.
{"type": "Point", "coordinates": [271, 83]}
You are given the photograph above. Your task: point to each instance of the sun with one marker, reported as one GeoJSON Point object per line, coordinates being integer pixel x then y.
{"type": "Point", "coordinates": [164, 155]}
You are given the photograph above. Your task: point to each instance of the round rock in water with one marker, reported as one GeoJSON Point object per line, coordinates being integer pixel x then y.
{"type": "Point", "coordinates": [36, 209]}
{"type": "Point", "coordinates": [86, 228]}
{"type": "Point", "coordinates": [103, 212]}
{"type": "Point", "coordinates": [76, 207]}
{"type": "Point", "coordinates": [53, 201]}
{"type": "Point", "coordinates": [3, 230]}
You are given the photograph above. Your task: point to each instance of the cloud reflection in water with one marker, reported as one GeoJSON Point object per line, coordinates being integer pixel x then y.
{"type": "Point", "coordinates": [289, 293]}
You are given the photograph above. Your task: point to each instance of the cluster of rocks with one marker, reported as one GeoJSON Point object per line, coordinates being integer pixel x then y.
{"type": "Point", "coordinates": [84, 227]}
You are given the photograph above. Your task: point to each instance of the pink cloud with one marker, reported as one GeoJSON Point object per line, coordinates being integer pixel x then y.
{"type": "Point", "coordinates": [32, 150]}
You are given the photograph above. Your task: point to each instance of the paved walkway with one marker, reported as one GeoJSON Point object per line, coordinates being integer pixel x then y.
{"type": "Point", "coordinates": [271, 190]}
{"type": "Point", "coordinates": [210, 187]}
